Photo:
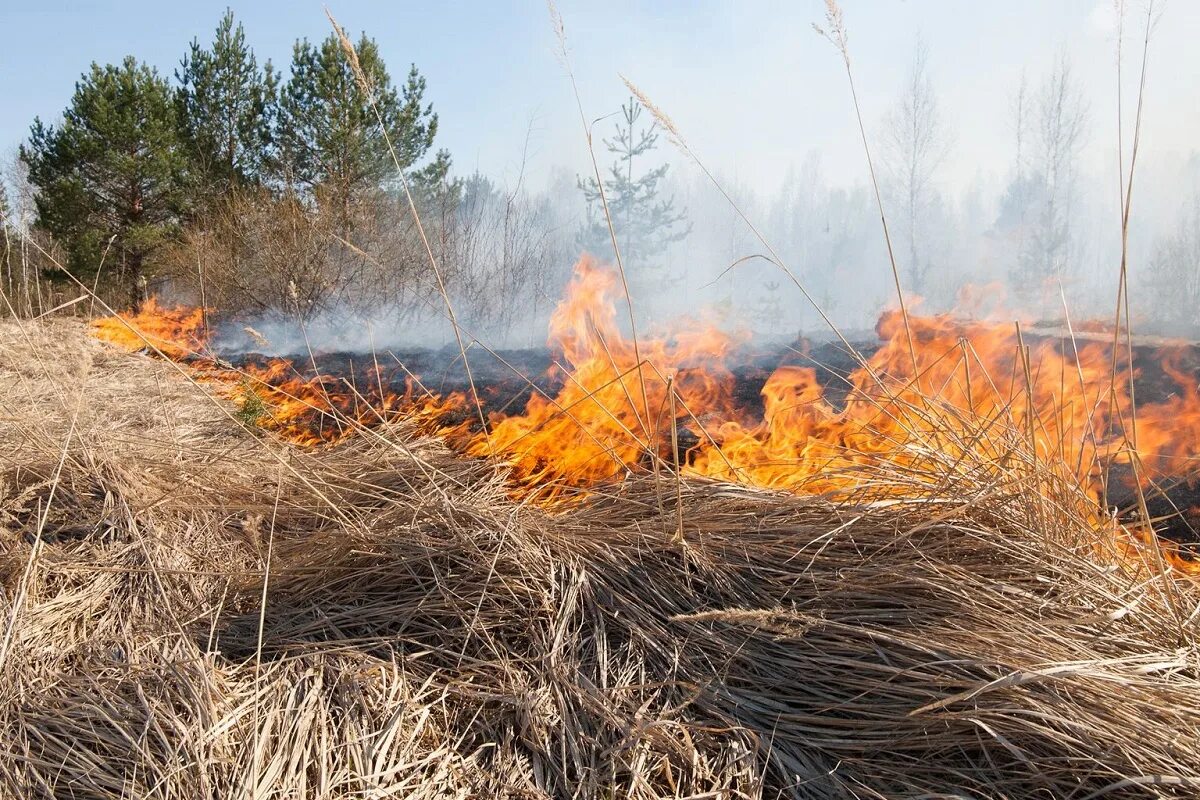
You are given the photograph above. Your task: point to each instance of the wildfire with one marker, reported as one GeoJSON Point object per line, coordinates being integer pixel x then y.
{"type": "Point", "coordinates": [941, 397]}
{"type": "Point", "coordinates": [178, 333]}
{"type": "Point", "coordinates": [612, 410]}
{"type": "Point", "coordinates": [274, 394]}
{"type": "Point", "coordinates": [962, 391]}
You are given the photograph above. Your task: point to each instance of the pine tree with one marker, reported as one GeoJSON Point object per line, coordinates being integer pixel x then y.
{"type": "Point", "coordinates": [226, 107]}
{"type": "Point", "coordinates": [645, 224]}
{"type": "Point", "coordinates": [769, 311]}
{"type": "Point", "coordinates": [113, 170]}
{"type": "Point", "coordinates": [331, 144]}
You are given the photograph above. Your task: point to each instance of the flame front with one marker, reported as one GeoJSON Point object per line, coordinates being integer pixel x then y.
{"type": "Point", "coordinates": [942, 401]}
{"type": "Point", "coordinates": [614, 412]}
{"type": "Point", "coordinates": [177, 332]}
{"type": "Point", "coordinates": [306, 410]}
{"type": "Point", "coordinates": [963, 391]}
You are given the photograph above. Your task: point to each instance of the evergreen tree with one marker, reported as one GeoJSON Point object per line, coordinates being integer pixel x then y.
{"type": "Point", "coordinates": [114, 169]}
{"type": "Point", "coordinates": [645, 223]}
{"type": "Point", "coordinates": [769, 311]}
{"type": "Point", "coordinates": [330, 141]}
{"type": "Point", "coordinates": [226, 106]}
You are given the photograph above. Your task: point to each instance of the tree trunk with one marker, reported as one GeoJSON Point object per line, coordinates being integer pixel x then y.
{"type": "Point", "coordinates": [137, 282]}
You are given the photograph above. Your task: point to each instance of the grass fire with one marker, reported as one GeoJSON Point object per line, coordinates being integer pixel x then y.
{"type": "Point", "coordinates": [329, 472]}
{"type": "Point", "coordinates": [968, 401]}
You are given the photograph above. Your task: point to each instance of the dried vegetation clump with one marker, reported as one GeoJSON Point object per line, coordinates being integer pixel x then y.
{"type": "Point", "coordinates": [191, 610]}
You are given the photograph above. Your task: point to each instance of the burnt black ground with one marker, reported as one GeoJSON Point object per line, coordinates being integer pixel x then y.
{"type": "Point", "coordinates": [506, 379]}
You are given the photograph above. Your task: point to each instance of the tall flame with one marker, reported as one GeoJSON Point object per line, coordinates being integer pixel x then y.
{"type": "Point", "coordinates": [971, 383]}
{"type": "Point", "coordinates": [611, 410]}
{"type": "Point", "coordinates": [970, 398]}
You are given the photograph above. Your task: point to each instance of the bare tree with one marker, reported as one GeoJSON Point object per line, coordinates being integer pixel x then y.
{"type": "Point", "coordinates": [7, 237]}
{"type": "Point", "coordinates": [1061, 116]}
{"type": "Point", "coordinates": [21, 244]}
{"type": "Point", "coordinates": [1038, 207]}
{"type": "Point", "coordinates": [1175, 273]}
{"type": "Point", "coordinates": [1020, 112]}
{"type": "Point", "coordinates": [506, 257]}
{"type": "Point", "coordinates": [916, 143]}
{"type": "Point", "coordinates": [1020, 194]}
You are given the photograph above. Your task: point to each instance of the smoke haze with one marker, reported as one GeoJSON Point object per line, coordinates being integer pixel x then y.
{"type": "Point", "coordinates": [764, 101]}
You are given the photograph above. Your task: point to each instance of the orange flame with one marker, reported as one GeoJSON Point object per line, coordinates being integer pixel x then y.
{"type": "Point", "coordinates": [324, 409]}
{"type": "Point", "coordinates": [304, 410]}
{"type": "Point", "coordinates": [970, 399]}
{"type": "Point", "coordinates": [177, 333]}
{"type": "Point", "coordinates": [609, 414]}
{"type": "Point", "coordinates": [969, 385]}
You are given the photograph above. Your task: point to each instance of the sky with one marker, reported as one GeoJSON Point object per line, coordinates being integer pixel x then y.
{"type": "Point", "coordinates": [750, 84]}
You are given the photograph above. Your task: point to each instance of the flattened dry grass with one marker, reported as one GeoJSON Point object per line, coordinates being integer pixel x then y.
{"type": "Point", "coordinates": [190, 611]}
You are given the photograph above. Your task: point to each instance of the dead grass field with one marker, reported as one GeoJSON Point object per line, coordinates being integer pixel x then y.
{"type": "Point", "coordinates": [194, 611]}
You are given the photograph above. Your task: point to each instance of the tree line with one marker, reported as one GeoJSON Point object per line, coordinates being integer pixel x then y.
{"type": "Point", "coordinates": [250, 189]}
{"type": "Point", "coordinates": [139, 159]}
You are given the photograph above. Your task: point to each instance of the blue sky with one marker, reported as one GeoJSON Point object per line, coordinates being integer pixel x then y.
{"type": "Point", "coordinates": [750, 84]}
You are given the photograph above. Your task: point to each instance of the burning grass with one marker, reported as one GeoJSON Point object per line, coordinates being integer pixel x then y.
{"type": "Point", "coordinates": [942, 403]}
{"type": "Point", "coordinates": [194, 611]}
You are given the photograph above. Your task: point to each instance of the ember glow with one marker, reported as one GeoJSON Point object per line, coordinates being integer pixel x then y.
{"type": "Point", "coordinates": [325, 408]}
{"type": "Point", "coordinates": [941, 398]}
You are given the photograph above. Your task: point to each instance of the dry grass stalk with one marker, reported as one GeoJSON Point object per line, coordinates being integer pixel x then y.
{"type": "Point", "coordinates": [836, 34]}
{"type": "Point", "coordinates": [369, 91]}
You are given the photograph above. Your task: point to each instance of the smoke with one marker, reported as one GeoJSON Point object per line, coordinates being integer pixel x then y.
{"type": "Point", "coordinates": [829, 236]}
{"type": "Point", "coordinates": [1036, 231]}
{"type": "Point", "coordinates": [332, 330]}
{"type": "Point", "coordinates": [991, 236]}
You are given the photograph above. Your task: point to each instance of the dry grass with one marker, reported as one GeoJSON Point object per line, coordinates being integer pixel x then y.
{"type": "Point", "coordinates": [188, 616]}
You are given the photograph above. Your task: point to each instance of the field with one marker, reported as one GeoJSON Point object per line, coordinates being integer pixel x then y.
{"type": "Point", "coordinates": [196, 608]}
{"type": "Point", "coordinates": [651, 560]}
